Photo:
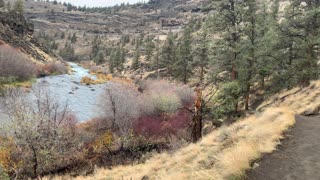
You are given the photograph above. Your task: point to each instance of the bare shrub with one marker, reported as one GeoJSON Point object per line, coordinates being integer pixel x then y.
{"type": "Point", "coordinates": [15, 64]}
{"type": "Point", "coordinates": [165, 102]}
{"type": "Point", "coordinates": [167, 97]}
{"type": "Point", "coordinates": [42, 129]}
{"type": "Point", "coordinates": [120, 105]}
{"type": "Point", "coordinates": [186, 94]}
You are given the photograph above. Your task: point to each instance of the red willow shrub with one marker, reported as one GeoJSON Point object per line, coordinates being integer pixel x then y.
{"type": "Point", "coordinates": [15, 64]}
{"type": "Point", "coordinates": [163, 125]}
{"type": "Point", "coordinates": [158, 110]}
{"type": "Point", "coordinates": [53, 68]}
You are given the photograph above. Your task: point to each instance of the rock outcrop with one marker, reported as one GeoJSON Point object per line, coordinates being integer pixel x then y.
{"type": "Point", "coordinates": [16, 31]}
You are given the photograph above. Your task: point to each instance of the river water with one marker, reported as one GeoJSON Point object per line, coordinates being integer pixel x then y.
{"type": "Point", "coordinates": [83, 100]}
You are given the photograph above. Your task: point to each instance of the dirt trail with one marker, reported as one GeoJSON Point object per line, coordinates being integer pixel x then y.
{"type": "Point", "coordinates": [297, 158]}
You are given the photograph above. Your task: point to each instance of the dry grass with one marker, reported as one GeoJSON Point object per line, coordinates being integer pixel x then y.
{"type": "Point", "coordinates": [303, 101]}
{"type": "Point", "coordinates": [101, 78]}
{"type": "Point", "coordinates": [225, 153]}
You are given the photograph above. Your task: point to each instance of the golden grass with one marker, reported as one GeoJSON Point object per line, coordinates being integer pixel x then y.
{"type": "Point", "coordinates": [101, 78]}
{"type": "Point", "coordinates": [227, 152]}
{"type": "Point", "coordinates": [300, 100]}
{"type": "Point", "coordinates": [224, 153]}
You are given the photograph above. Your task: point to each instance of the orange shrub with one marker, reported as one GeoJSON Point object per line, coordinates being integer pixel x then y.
{"type": "Point", "coordinates": [87, 80]}
{"type": "Point", "coordinates": [101, 78]}
{"type": "Point", "coordinates": [7, 161]}
{"type": "Point", "coordinates": [103, 142]}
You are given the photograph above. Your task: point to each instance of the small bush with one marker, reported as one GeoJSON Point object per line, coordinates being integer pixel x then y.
{"type": "Point", "coordinates": [165, 102]}
{"type": "Point", "coordinates": [53, 68]}
{"type": "Point", "coordinates": [87, 80]}
{"type": "Point", "coordinates": [15, 64]}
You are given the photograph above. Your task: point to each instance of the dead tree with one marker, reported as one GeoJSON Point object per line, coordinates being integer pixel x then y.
{"type": "Point", "coordinates": [196, 133]}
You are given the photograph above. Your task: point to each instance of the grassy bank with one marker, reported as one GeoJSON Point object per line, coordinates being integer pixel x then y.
{"type": "Point", "coordinates": [225, 153]}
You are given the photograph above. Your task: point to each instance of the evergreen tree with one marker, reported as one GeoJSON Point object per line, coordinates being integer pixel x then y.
{"type": "Point", "coordinates": [2, 4]}
{"type": "Point", "coordinates": [74, 38]}
{"type": "Point", "coordinates": [168, 54]}
{"type": "Point", "coordinates": [8, 6]}
{"type": "Point", "coordinates": [182, 67]}
{"type": "Point", "coordinates": [112, 62]}
{"type": "Point", "coordinates": [226, 23]}
{"type": "Point", "coordinates": [302, 27]}
{"type": "Point", "coordinates": [156, 57]}
{"type": "Point", "coordinates": [149, 50]}
{"type": "Point", "coordinates": [201, 57]}
{"type": "Point", "coordinates": [248, 60]}
{"type": "Point", "coordinates": [19, 6]}
{"type": "Point", "coordinates": [136, 60]}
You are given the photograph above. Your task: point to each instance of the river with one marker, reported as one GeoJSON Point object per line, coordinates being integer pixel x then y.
{"type": "Point", "coordinates": [82, 100]}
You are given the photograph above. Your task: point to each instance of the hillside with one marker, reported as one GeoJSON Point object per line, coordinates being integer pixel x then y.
{"type": "Point", "coordinates": [164, 89]}
{"type": "Point", "coordinates": [229, 151]}
{"type": "Point", "coordinates": [155, 18]}
{"type": "Point", "coordinates": [16, 31]}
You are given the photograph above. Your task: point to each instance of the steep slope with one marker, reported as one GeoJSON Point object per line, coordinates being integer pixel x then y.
{"type": "Point", "coordinates": [296, 158]}
{"type": "Point", "coordinates": [229, 151]}
{"type": "Point", "coordinates": [155, 18]}
{"type": "Point", "coordinates": [16, 31]}
{"type": "Point", "coordinates": [223, 154]}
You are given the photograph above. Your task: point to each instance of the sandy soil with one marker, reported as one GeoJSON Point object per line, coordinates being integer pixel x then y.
{"type": "Point", "coordinates": [297, 158]}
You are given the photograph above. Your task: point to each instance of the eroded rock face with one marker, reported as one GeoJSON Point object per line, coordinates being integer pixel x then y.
{"type": "Point", "coordinates": [17, 23]}
{"type": "Point", "coordinates": [16, 31]}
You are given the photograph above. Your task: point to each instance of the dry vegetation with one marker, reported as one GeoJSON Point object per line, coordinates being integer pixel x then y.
{"type": "Point", "coordinates": [229, 151]}
{"type": "Point", "coordinates": [15, 65]}
{"type": "Point", "coordinates": [304, 101]}
{"type": "Point", "coordinates": [225, 153]}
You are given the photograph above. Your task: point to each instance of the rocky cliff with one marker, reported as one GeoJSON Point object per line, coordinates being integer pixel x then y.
{"type": "Point", "coordinates": [16, 31]}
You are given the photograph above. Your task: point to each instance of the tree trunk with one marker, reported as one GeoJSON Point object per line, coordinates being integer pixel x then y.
{"type": "Point", "coordinates": [35, 162]}
{"type": "Point", "coordinates": [196, 133]}
{"type": "Point", "coordinates": [247, 97]}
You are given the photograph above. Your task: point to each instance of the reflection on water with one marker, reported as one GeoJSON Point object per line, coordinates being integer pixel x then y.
{"type": "Point", "coordinates": [82, 99]}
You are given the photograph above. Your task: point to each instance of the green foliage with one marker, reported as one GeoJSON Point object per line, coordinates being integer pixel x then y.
{"type": "Point", "coordinates": [168, 54]}
{"type": "Point", "coordinates": [182, 68]}
{"type": "Point", "coordinates": [74, 38]}
{"type": "Point", "coordinates": [166, 102]}
{"type": "Point", "coordinates": [2, 4]}
{"type": "Point", "coordinates": [227, 99]}
{"type": "Point", "coordinates": [68, 52]}
{"type": "Point", "coordinates": [19, 6]}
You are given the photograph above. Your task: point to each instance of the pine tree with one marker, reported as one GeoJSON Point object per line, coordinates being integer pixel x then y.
{"type": "Point", "coordinates": [149, 49]}
{"type": "Point", "coordinates": [2, 4]}
{"type": "Point", "coordinates": [74, 38]}
{"type": "Point", "coordinates": [136, 59]}
{"type": "Point", "coordinates": [112, 62]}
{"type": "Point", "coordinates": [248, 60]}
{"type": "Point", "coordinates": [156, 58]}
{"type": "Point", "coordinates": [168, 54]}
{"type": "Point", "coordinates": [201, 57]}
{"type": "Point", "coordinates": [302, 26]}
{"type": "Point", "coordinates": [19, 6]}
{"type": "Point", "coordinates": [226, 23]}
{"type": "Point", "coordinates": [182, 67]}
{"type": "Point", "coordinates": [8, 6]}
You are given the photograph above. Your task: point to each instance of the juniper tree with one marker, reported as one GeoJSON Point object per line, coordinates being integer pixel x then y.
{"type": "Point", "coordinates": [301, 26]}
{"type": "Point", "coordinates": [182, 69]}
{"type": "Point", "coordinates": [18, 6]}
{"type": "Point", "coordinates": [168, 54]}
{"type": "Point", "coordinates": [136, 59]}
{"type": "Point", "coordinates": [201, 57]}
{"type": "Point", "coordinates": [2, 4]}
{"type": "Point", "coordinates": [226, 25]}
